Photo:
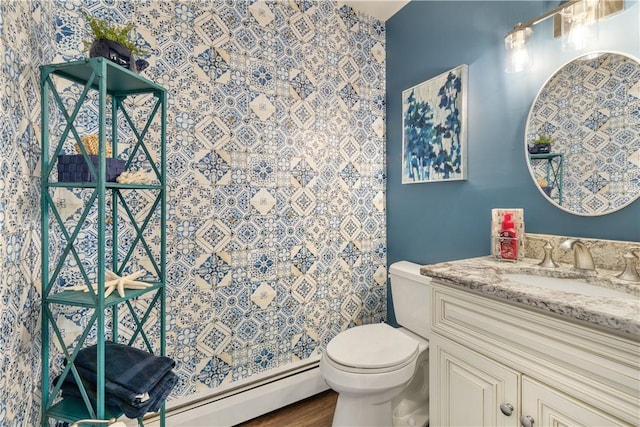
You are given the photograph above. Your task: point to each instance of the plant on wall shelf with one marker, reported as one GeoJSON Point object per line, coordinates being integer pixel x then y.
{"type": "Point", "coordinates": [540, 145]}
{"type": "Point", "coordinates": [543, 139]}
{"type": "Point", "coordinates": [112, 41]}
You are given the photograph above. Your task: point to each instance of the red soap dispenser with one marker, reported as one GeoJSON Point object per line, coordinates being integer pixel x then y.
{"type": "Point", "coordinates": [508, 240]}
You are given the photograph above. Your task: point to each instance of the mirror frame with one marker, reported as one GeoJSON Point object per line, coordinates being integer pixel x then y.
{"type": "Point", "coordinates": [529, 136]}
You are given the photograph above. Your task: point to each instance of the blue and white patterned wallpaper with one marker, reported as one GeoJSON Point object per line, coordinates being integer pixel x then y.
{"type": "Point", "coordinates": [276, 228]}
{"type": "Point", "coordinates": [25, 42]}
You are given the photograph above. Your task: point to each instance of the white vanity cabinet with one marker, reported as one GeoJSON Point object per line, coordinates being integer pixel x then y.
{"type": "Point", "coordinates": [493, 363]}
{"type": "Point", "coordinates": [550, 407]}
{"type": "Point", "coordinates": [468, 388]}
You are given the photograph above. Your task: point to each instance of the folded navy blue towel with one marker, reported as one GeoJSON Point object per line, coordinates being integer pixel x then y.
{"type": "Point", "coordinates": [114, 404]}
{"type": "Point", "coordinates": [131, 372]}
{"type": "Point", "coordinates": [70, 390]}
{"type": "Point", "coordinates": [121, 392]}
{"type": "Point", "coordinates": [160, 392]}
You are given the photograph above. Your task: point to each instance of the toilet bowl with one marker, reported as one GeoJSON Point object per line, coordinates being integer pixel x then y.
{"type": "Point", "coordinates": [370, 366]}
{"type": "Point", "coordinates": [381, 372]}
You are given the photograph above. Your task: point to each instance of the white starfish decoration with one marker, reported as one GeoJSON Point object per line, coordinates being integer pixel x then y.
{"type": "Point", "coordinates": [114, 282]}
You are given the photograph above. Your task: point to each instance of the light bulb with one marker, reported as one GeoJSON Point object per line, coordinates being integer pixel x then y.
{"type": "Point", "coordinates": [579, 25]}
{"type": "Point", "coordinates": [519, 56]}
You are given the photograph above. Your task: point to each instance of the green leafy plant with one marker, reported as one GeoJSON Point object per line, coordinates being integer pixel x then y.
{"type": "Point", "coordinates": [102, 29]}
{"type": "Point", "coordinates": [543, 139]}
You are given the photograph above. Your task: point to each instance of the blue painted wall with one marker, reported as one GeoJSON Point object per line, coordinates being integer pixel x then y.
{"type": "Point", "coordinates": [436, 222]}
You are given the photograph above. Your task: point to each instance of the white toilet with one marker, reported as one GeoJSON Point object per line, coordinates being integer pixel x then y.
{"type": "Point", "coordinates": [381, 373]}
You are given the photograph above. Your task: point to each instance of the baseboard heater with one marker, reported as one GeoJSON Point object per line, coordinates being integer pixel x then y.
{"type": "Point", "coordinates": [241, 401]}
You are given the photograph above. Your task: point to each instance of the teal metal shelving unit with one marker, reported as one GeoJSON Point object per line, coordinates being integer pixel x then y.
{"type": "Point", "coordinates": [108, 202]}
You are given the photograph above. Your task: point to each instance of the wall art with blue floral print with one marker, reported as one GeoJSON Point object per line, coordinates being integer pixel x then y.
{"type": "Point", "coordinates": [434, 129]}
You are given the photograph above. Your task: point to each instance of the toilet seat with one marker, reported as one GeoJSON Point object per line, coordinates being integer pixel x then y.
{"type": "Point", "coordinates": [369, 349]}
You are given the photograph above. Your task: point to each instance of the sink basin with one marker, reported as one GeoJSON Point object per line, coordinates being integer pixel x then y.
{"type": "Point", "coordinates": [575, 286]}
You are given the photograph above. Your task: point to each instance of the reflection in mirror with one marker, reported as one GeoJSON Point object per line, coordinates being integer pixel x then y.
{"type": "Point", "coordinates": [589, 112]}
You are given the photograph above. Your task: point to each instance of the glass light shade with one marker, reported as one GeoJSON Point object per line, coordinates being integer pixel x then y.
{"type": "Point", "coordinates": [579, 25]}
{"type": "Point", "coordinates": [519, 56]}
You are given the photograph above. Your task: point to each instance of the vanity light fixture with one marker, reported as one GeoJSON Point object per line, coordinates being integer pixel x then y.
{"type": "Point", "coordinates": [575, 20]}
{"type": "Point", "coordinates": [579, 24]}
{"type": "Point", "coordinates": [519, 56]}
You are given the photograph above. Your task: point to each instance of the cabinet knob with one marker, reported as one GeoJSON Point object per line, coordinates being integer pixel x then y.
{"type": "Point", "coordinates": [506, 408]}
{"type": "Point", "coordinates": [526, 421]}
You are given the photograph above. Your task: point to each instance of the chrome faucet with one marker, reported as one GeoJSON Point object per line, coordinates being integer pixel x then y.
{"type": "Point", "coordinates": [582, 259]}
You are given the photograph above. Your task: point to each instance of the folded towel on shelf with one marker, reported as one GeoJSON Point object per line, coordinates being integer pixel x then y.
{"type": "Point", "coordinates": [70, 390]}
{"type": "Point", "coordinates": [135, 381]}
{"type": "Point", "coordinates": [160, 392]}
{"type": "Point", "coordinates": [134, 370]}
{"type": "Point", "coordinates": [114, 404]}
{"type": "Point", "coordinates": [121, 392]}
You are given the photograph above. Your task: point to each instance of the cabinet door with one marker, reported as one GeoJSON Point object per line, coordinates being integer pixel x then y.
{"type": "Point", "coordinates": [468, 389]}
{"type": "Point", "coordinates": [549, 407]}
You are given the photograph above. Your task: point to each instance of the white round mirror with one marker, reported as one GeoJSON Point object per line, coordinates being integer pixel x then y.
{"type": "Point", "coordinates": [583, 134]}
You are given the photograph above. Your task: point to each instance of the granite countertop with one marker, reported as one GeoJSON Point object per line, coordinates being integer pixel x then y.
{"type": "Point", "coordinates": [484, 275]}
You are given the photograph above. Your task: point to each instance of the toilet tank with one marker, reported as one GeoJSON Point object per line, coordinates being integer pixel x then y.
{"type": "Point", "coordinates": [411, 297]}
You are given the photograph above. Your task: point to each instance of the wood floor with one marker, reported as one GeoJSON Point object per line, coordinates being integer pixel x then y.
{"type": "Point", "coordinates": [315, 411]}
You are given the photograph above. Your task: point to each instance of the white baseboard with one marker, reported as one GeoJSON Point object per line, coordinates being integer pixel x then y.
{"type": "Point", "coordinates": [243, 402]}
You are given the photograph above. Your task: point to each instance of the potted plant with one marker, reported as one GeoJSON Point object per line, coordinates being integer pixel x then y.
{"type": "Point", "coordinates": [112, 42]}
{"type": "Point", "coordinates": [541, 145]}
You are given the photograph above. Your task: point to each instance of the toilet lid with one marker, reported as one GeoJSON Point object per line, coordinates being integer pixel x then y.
{"type": "Point", "coordinates": [371, 347]}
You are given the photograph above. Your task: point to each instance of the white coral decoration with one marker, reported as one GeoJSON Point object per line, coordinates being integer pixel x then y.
{"type": "Point", "coordinates": [113, 282]}
{"type": "Point", "coordinates": [133, 177]}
